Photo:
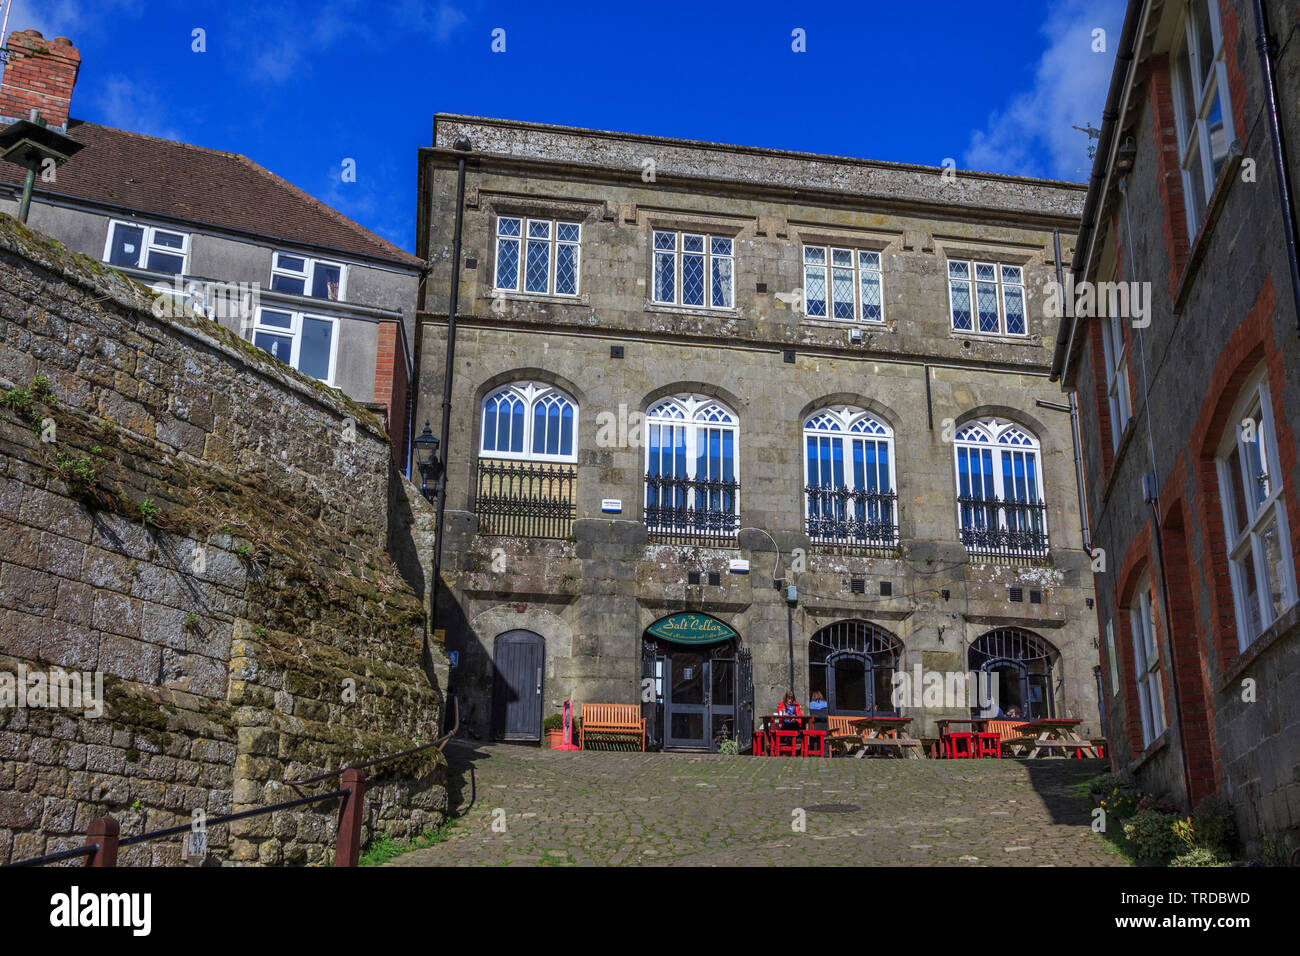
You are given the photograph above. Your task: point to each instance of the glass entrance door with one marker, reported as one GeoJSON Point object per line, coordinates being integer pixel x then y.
{"type": "Point", "coordinates": [686, 700]}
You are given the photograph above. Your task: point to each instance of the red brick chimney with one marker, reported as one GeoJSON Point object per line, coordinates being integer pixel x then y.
{"type": "Point", "coordinates": [39, 74]}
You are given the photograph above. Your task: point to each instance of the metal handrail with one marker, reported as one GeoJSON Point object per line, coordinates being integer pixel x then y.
{"type": "Point", "coordinates": [85, 850]}
{"type": "Point", "coordinates": [187, 827]}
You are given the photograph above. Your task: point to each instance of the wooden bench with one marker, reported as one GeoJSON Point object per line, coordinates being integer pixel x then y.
{"type": "Point", "coordinates": [611, 719]}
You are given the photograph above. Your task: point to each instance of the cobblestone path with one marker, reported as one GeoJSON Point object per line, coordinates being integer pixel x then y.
{"type": "Point", "coordinates": [611, 808]}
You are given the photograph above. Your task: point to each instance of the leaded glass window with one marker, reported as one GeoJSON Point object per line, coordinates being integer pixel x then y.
{"type": "Point", "coordinates": [539, 256]}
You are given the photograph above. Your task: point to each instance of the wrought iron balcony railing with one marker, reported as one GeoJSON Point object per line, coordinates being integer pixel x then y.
{"type": "Point", "coordinates": [993, 528]}
{"type": "Point", "coordinates": [692, 510]}
{"type": "Point", "coordinates": [852, 519]}
{"type": "Point", "coordinates": [525, 499]}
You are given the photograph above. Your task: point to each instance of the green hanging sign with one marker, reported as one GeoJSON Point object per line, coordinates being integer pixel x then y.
{"type": "Point", "coordinates": [691, 629]}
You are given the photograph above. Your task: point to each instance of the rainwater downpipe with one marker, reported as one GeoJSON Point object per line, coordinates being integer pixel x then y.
{"type": "Point", "coordinates": [1266, 46]}
{"type": "Point", "coordinates": [1152, 496]}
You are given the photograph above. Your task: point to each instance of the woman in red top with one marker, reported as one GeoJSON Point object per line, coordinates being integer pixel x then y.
{"type": "Point", "coordinates": [789, 705]}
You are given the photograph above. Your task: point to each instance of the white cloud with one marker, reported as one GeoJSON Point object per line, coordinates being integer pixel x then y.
{"type": "Point", "coordinates": [1033, 135]}
{"type": "Point", "coordinates": [70, 18]}
{"type": "Point", "coordinates": [122, 104]}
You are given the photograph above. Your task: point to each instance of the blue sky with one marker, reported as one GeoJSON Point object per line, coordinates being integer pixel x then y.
{"type": "Point", "coordinates": [302, 86]}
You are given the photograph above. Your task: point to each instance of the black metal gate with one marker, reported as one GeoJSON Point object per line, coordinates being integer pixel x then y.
{"type": "Point", "coordinates": [744, 699]}
{"type": "Point", "coordinates": [651, 705]}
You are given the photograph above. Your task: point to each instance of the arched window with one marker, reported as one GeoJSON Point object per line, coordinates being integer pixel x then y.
{"type": "Point", "coordinates": [530, 421]}
{"type": "Point", "coordinates": [1000, 490]}
{"type": "Point", "coordinates": [1019, 665]}
{"type": "Point", "coordinates": [852, 664]}
{"type": "Point", "coordinates": [849, 496]}
{"type": "Point", "coordinates": [692, 486]}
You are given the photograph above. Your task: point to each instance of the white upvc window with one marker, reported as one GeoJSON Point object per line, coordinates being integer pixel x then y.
{"type": "Point", "coordinates": [1254, 516]}
{"type": "Point", "coordinates": [1116, 355]}
{"type": "Point", "coordinates": [849, 478]}
{"type": "Point", "coordinates": [987, 297]}
{"type": "Point", "coordinates": [1202, 106]}
{"type": "Point", "coordinates": [538, 256]}
{"type": "Point", "coordinates": [302, 275]}
{"type": "Point", "coordinates": [529, 421]}
{"type": "Point", "coordinates": [1146, 664]}
{"type": "Point", "coordinates": [852, 289]}
{"type": "Point", "coordinates": [309, 343]}
{"type": "Point", "coordinates": [147, 247]}
{"type": "Point", "coordinates": [692, 269]}
{"type": "Point", "coordinates": [692, 466]}
{"type": "Point", "coordinates": [1000, 503]}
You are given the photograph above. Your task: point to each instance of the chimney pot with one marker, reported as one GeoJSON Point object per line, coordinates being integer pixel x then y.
{"type": "Point", "coordinates": [40, 75]}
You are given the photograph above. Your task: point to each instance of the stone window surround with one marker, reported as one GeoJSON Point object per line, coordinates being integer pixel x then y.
{"type": "Point", "coordinates": [723, 227]}
{"type": "Point", "coordinates": [584, 213]}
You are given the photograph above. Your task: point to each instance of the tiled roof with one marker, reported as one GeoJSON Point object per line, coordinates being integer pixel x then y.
{"type": "Point", "coordinates": [226, 190]}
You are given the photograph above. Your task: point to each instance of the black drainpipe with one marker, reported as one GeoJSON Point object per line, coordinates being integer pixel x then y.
{"type": "Point", "coordinates": [463, 145]}
{"type": "Point", "coordinates": [1266, 46]}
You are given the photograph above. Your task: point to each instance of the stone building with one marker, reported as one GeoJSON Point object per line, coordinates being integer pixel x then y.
{"type": "Point", "coordinates": [1190, 410]}
{"type": "Point", "coordinates": [714, 408]}
{"type": "Point", "coordinates": [331, 299]}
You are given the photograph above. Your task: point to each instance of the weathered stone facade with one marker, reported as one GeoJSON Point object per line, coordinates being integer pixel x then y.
{"type": "Point", "coordinates": [209, 530]}
{"type": "Point", "coordinates": [1222, 321]}
{"type": "Point", "coordinates": [591, 597]}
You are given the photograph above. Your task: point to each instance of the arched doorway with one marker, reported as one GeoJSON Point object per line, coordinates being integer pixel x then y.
{"type": "Point", "coordinates": [518, 658]}
{"type": "Point", "coordinates": [696, 681]}
{"type": "Point", "coordinates": [852, 664]}
{"type": "Point", "coordinates": [1020, 664]}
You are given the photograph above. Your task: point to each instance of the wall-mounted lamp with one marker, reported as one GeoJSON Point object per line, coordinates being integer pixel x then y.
{"type": "Point", "coordinates": [425, 446]}
{"type": "Point", "coordinates": [1125, 157]}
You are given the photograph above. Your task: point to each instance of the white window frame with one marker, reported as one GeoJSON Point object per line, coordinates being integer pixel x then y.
{"type": "Point", "coordinates": [1002, 283]}
{"type": "Point", "coordinates": [521, 242]}
{"type": "Point", "coordinates": [1116, 357]}
{"type": "Point", "coordinates": [677, 252]}
{"type": "Point", "coordinates": [295, 332]}
{"type": "Point", "coordinates": [1146, 663]}
{"type": "Point", "coordinates": [308, 275]}
{"type": "Point", "coordinates": [531, 394]}
{"type": "Point", "coordinates": [864, 262]}
{"type": "Point", "coordinates": [997, 429]}
{"type": "Point", "coordinates": [1193, 131]}
{"type": "Point", "coordinates": [836, 422]}
{"type": "Point", "coordinates": [148, 245]}
{"type": "Point", "coordinates": [694, 411]}
{"type": "Point", "coordinates": [1245, 544]}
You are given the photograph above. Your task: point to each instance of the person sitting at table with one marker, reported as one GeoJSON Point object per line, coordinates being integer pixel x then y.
{"type": "Point", "coordinates": [818, 709]}
{"type": "Point", "coordinates": [1014, 713]}
{"type": "Point", "coordinates": [789, 705]}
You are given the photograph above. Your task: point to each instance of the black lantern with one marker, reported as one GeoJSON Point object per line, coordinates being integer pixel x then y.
{"type": "Point", "coordinates": [426, 459]}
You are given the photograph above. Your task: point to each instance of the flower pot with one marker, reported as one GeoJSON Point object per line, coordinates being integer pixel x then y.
{"type": "Point", "coordinates": [554, 738]}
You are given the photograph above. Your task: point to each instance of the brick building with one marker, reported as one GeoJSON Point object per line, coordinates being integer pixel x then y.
{"type": "Point", "coordinates": [333, 299]}
{"type": "Point", "coordinates": [1190, 414]}
{"type": "Point", "coordinates": [678, 361]}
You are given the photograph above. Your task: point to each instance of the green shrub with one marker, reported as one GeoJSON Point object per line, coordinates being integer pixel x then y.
{"type": "Point", "coordinates": [1120, 803]}
{"type": "Point", "coordinates": [729, 747]}
{"type": "Point", "coordinates": [1151, 835]}
{"type": "Point", "coordinates": [1210, 827]}
{"type": "Point", "coordinates": [553, 722]}
{"type": "Point", "coordinates": [1199, 856]}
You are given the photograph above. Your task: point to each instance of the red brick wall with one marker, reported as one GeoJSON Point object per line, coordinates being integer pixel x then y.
{"type": "Point", "coordinates": [41, 73]}
{"type": "Point", "coordinates": [391, 384]}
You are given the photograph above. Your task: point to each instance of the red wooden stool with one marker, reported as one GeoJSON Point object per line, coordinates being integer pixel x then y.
{"type": "Point", "coordinates": [814, 743]}
{"type": "Point", "coordinates": [760, 743]}
{"type": "Point", "coordinates": [785, 743]}
{"type": "Point", "coordinates": [988, 745]}
{"type": "Point", "coordinates": [960, 745]}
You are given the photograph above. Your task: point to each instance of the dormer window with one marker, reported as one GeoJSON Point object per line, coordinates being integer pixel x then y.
{"type": "Point", "coordinates": [300, 275]}
{"type": "Point", "coordinates": [146, 247]}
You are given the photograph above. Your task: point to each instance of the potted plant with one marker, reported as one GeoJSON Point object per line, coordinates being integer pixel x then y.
{"type": "Point", "coordinates": [553, 730]}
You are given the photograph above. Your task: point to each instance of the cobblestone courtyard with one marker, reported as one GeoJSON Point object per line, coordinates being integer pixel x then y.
{"type": "Point", "coordinates": [595, 808]}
